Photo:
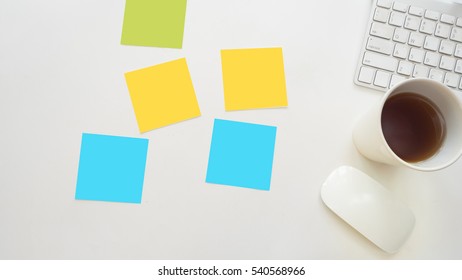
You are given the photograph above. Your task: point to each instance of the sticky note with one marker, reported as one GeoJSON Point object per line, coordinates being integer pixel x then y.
{"type": "Point", "coordinates": [155, 23]}
{"type": "Point", "coordinates": [111, 168]}
{"type": "Point", "coordinates": [162, 95]}
{"type": "Point", "coordinates": [241, 154]}
{"type": "Point", "coordinates": [253, 79]}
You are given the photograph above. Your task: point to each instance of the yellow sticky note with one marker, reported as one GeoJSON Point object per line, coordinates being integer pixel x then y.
{"type": "Point", "coordinates": [253, 78]}
{"type": "Point", "coordinates": [162, 94]}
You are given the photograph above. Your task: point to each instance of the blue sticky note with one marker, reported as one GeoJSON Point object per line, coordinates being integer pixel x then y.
{"type": "Point", "coordinates": [111, 168]}
{"type": "Point", "coordinates": [241, 154]}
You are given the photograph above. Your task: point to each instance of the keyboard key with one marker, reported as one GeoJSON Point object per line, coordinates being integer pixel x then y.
{"type": "Point", "coordinates": [456, 34]}
{"type": "Point", "coordinates": [366, 75]}
{"type": "Point", "coordinates": [397, 19]}
{"type": "Point", "coordinates": [432, 15]}
{"type": "Point", "coordinates": [396, 79]}
{"type": "Point", "coordinates": [447, 47]}
{"type": "Point", "coordinates": [380, 61]}
{"type": "Point", "coordinates": [382, 79]}
{"type": "Point", "coordinates": [459, 22]}
{"type": "Point", "coordinates": [405, 67]}
{"type": "Point", "coordinates": [436, 75]}
{"type": "Point", "coordinates": [401, 51]}
{"type": "Point", "coordinates": [432, 59]}
{"type": "Point", "coordinates": [443, 30]}
{"type": "Point", "coordinates": [381, 30]}
{"type": "Point", "coordinates": [401, 35]}
{"type": "Point", "coordinates": [458, 52]}
{"type": "Point", "coordinates": [401, 7]}
{"type": "Point", "coordinates": [381, 15]}
{"type": "Point", "coordinates": [451, 80]}
{"type": "Point", "coordinates": [420, 71]}
{"type": "Point", "coordinates": [448, 19]}
{"type": "Point", "coordinates": [416, 11]}
{"type": "Point", "coordinates": [427, 26]}
{"type": "Point", "coordinates": [458, 68]}
{"type": "Point", "coordinates": [379, 45]}
{"type": "Point", "coordinates": [416, 55]}
{"type": "Point", "coordinates": [412, 22]}
{"type": "Point", "coordinates": [447, 63]}
{"type": "Point", "coordinates": [384, 3]}
{"type": "Point", "coordinates": [416, 39]}
{"type": "Point", "coordinates": [431, 43]}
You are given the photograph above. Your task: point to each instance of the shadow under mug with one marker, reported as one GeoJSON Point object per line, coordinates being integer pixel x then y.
{"type": "Point", "coordinates": [370, 141]}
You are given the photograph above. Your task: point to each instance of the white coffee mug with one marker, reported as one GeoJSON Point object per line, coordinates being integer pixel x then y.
{"type": "Point", "coordinates": [369, 138]}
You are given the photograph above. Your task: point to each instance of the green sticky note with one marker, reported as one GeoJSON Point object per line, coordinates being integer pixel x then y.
{"type": "Point", "coordinates": [154, 23]}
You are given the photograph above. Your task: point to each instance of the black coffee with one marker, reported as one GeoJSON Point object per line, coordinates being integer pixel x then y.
{"type": "Point", "coordinates": [413, 126]}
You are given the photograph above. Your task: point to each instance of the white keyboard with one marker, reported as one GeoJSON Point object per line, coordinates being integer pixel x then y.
{"type": "Point", "coordinates": [406, 39]}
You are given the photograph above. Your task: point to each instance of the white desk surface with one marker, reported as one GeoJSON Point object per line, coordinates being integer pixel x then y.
{"type": "Point", "coordinates": [61, 74]}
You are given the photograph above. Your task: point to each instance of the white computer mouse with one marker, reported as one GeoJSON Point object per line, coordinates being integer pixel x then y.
{"type": "Point", "coordinates": [368, 207]}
